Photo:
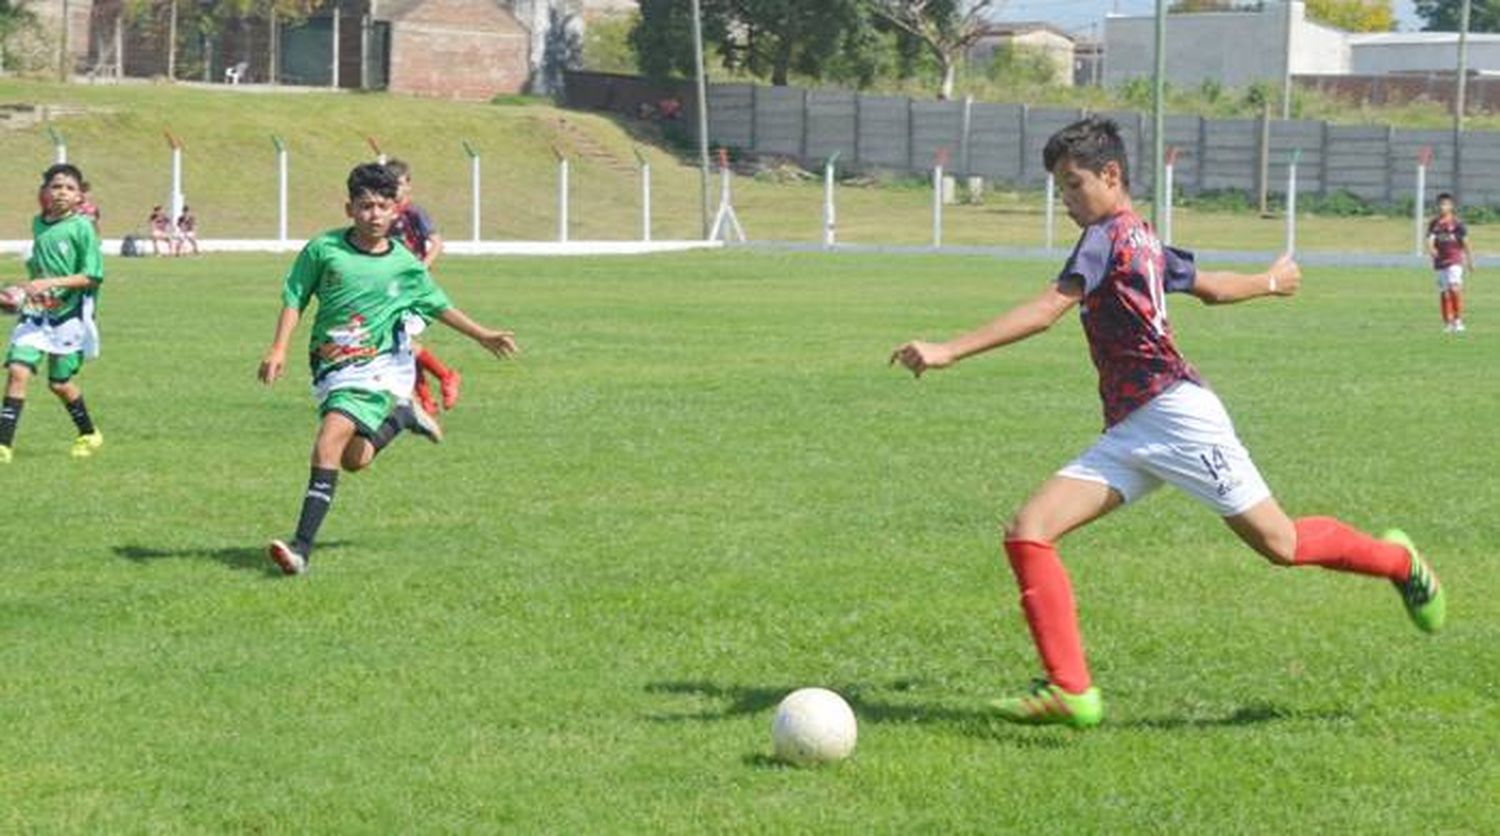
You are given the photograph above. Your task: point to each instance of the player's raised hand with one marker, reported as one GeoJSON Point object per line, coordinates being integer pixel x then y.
{"type": "Point", "coordinates": [1285, 275]}
{"type": "Point", "coordinates": [502, 344]}
{"type": "Point", "coordinates": [918, 356]}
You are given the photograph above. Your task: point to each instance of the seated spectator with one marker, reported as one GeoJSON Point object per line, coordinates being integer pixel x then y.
{"type": "Point", "coordinates": [161, 230]}
{"type": "Point", "coordinates": [187, 232]}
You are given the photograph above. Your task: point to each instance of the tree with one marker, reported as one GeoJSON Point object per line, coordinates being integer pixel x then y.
{"type": "Point", "coordinates": [1353, 15]}
{"type": "Point", "coordinates": [946, 28]}
{"type": "Point", "coordinates": [14, 17]}
{"type": "Point", "coordinates": [1443, 15]}
{"type": "Point", "coordinates": [767, 38]}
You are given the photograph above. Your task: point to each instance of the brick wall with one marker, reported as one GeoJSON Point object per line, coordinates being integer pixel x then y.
{"type": "Point", "coordinates": [458, 49]}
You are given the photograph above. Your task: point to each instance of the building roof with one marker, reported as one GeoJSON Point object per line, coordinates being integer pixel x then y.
{"type": "Point", "coordinates": [1013, 28]}
{"type": "Point", "coordinates": [1424, 38]}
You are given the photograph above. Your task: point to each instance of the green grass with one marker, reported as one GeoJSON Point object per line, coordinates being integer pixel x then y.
{"type": "Point", "coordinates": [229, 175]}
{"type": "Point", "coordinates": [700, 488]}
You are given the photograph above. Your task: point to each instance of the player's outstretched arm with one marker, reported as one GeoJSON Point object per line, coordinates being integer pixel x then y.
{"type": "Point", "coordinates": [1282, 278]}
{"type": "Point", "coordinates": [36, 288]}
{"type": "Point", "coordinates": [499, 343]}
{"type": "Point", "coordinates": [274, 361]}
{"type": "Point", "coordinates": [1018, 323]}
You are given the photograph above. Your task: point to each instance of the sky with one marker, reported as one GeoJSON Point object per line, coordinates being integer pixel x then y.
{"type": "Point", "coordinates": [1077, 15]}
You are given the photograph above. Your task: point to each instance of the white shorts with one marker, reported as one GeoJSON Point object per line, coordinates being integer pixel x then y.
{"type": "Point", "coordinates": [1450, 277]}
{"type": "Point", "coordinates": [1182, 437]}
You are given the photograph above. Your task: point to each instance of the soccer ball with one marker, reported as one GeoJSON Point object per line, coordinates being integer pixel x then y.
{"type": "Point", "coordinates": [12, 298]}
{"type": "Point", "coordinates": [813, 726]}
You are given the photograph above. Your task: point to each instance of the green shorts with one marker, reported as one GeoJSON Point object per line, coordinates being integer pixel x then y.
{"type": "Point", "coordinates": [366, 408]}
{"type": "Point", "coordinates": [61, 368]}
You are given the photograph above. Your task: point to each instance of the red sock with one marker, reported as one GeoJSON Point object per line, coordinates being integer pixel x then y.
{"type": "Point", "coordinates": [1447, 305]}
{"type": "Point", "coordinates": [1047, 599]}
{"type": "Point", "coordinates": [429, 362]}
{"type": "Point", "coordinates": [1326, 542]}
{"type": "Point", "coordinates": [1457, 303]}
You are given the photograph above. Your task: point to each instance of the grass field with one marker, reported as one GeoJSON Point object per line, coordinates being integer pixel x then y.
{"type": "Point", "coordinates": [700, 488]}
{"type": "Point", "coordinates": [229, 175]}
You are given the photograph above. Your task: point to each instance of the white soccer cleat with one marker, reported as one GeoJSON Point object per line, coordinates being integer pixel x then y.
{"type": "Point", "coordinates": [1458, 326]}
{"type": "Point", "coordinates": [423, 424]}
{"type": "Point", "coordinates": [287, 558]}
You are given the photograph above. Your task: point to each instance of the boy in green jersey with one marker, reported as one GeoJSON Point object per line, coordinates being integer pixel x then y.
{"type": "Point", "coordinates": [362, 365]}
{"type": "Point", "coordinates": [56, 322]}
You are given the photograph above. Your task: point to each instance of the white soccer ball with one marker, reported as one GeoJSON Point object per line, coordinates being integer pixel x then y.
{"type": "Point", "coordinates": [812, 726]}
{"type": "Point", "coordinates": [12, 298]}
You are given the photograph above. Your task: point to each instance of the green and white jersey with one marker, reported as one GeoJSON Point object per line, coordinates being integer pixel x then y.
{"type": "Point", "coordinates": [362, 299]}
{"type": "Point", "coordinates": [65, 247]}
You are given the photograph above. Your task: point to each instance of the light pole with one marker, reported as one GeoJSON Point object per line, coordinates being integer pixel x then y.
{"type": "Point", "coordinates": [702, 114]}
{"type": "Point", "coordinates": [1286, 68]}
{"type": "Point", "coordinates": [1458, 100]}
{"type": "Point", "coordinates": [1158, 117]}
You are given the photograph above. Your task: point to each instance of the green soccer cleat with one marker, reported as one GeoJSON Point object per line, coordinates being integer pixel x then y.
{"type": "Point", "coordinates": [1046, 704]}
{"type": "Point", "coordinates": [1421, 592]}
{"type": "Point", "coordinates": [87, 445]}
{"type": "Point", "coordinates": [5, 454]}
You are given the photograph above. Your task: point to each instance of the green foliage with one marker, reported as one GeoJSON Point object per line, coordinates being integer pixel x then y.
{"type": "Point", "coordinates": [1444, 15]}
{"type": "Point", "coordinates": [1021, 65]}
{"type": "Point", "coordinates": [606, 44]}
{"type": "Point", "coordinates": [1354, 15]}
{"type": "Point", "coordinates": [768, 39]}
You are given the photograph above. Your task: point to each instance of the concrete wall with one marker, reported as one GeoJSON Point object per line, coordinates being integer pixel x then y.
{"type": "Point", "coordinates": [1233, 48]}
{"type": "Point", "coordinates": [1003, 142]}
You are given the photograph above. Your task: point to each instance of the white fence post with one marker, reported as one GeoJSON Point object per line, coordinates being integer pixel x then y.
{"type": "Point", "coordinates": [726, 222]}
{"type": "Point", "coordinates": [59, 146]}
{"type": "Point", "coordinates": [1169, 176]}
{"type": "Point", "coordinates": [1051, 210]}
{"type": "Point", "coordinates": [474, 190]}
{"type": "Point", "coordinates": [645, 194]}
{"type": "Point", "coordinates": [1291, 201]}
{"type": "Point", "coordinates": [937, 199]}
{"type": "Point", "coordinates": [281, 182]}
{"type": "Point", "coordinates": [177, 200]}
{"type": "Point", "coordinates": [562, 196]}
{"type": "Point", "coordinates": [830, 211]}
{"type": "Point", "coordinates": [1419, 230]}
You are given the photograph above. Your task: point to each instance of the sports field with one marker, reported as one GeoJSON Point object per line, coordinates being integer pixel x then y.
{"type": "Point", "coordinates": [699, 488]}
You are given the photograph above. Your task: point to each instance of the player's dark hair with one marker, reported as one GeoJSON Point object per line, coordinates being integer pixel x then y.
{"type": "Point", "coordinates": [398, 168]}
{"type": "Point", "coordinates": [1442, 196]}
{"type": "Point", "coordinates": [1091, 143]}
{"type": "Point", "coordinates": [63, 168]}
{"type": "Point", "coordinates": [373, 178]}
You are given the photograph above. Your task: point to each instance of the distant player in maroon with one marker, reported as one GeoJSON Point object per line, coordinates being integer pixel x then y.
{"type": "Point", "coordinates": [1448, 244]}
{"type": "Point", "coordinates": [1162, 423]}
{"type": "Point", "coordinates": [415, 229]}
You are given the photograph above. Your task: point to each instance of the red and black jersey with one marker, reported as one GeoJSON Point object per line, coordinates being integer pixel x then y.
{"type": "Point", "coordinates": [1126, 273]}
{"type": "Point", "coordinates": [1447, 236]}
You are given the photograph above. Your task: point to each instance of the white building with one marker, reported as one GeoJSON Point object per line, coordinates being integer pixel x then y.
{"type": "Point", "coordinates": [1419, 52]}
{"type": "Point", "coordinates": [1233, 48]}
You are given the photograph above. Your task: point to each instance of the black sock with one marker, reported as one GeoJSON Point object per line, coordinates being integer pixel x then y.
{"type": "Point", "coordinates": [320, 486]}
{"type": "Point", "coordinates": [388, 430]}
{"type": "Point", "coordinates": [80, 415]}
{"type": "Point", "coordinates": [10, 415]}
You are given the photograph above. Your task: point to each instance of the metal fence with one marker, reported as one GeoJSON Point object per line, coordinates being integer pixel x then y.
{"type": "Point", "coordinates": [1003, 142]}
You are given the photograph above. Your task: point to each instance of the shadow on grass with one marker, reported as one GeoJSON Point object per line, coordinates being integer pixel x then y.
{"type": "Point", "coordinates": [1251, 715]}
{"type": "Point", "coordinates": [243, 558]}
{"type": "Point", "coordinates": [869, 705]}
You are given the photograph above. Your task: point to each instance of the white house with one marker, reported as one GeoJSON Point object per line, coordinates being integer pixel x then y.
{"type": "Point", "coordinates": [1233, 48]}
